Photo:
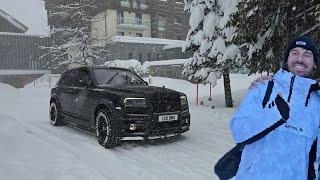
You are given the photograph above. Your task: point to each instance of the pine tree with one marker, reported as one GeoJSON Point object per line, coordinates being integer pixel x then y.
{"type": "Point", "coordinates": [211, 39]}
{"type": "Point", "coordinates": [73, 43]}
{"type": "Point", "coordinates": [264, 28]}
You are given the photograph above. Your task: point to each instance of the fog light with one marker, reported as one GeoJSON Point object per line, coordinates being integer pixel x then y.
{"type": "Point", "coordinates": [187, 120]}
{"type": "Point", "coordinates": [133, 127]}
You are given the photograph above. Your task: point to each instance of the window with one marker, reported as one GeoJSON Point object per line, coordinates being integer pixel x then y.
{"type": "Point", "coordinates": [130, 56]}
{"type": "Point", "coordinates": [68, 78]}
{"type": "Point", "coordinates": [31, 65]}
{"type": "Point", "coordinates": [116, 77]}
{"type": "Point", "coordinates": [64, 81]}
{"type": "Point", "coordinates": [120, 33]}
{"type": "Point", "coordinates": [125, 3]}
{"type": "Point", "coordinates": [177, 20]}
{"type": "Point", "coordinates": [149, 56]}
{"type": "Point", "coordinates": [162, 34]}
{"type": "Point", "coordinates": [120, 17]}
{"type": "Point", "coordinates": [135, 3]}
{"type": "Point", "coordinates": [179, 37]}
{"type": "Point", "coordinates": [82, 78]}
{"type": "Point", "coordinates": [161, 22]}
{"type": "Point", "coordinates": [143, 2]}
{"type": "Point", "coordinates": [140, 57]}
{"type": "Point", "coordinates": [179, 1]}
{"type": "Point", "coordinates": [138, 19]}
{"type": "Point", "coordinates": [138, 34]}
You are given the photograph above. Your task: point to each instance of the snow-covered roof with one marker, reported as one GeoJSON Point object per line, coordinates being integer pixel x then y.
{"type": "Point", "coordinates": [145, 40]}
{"type": "Point", "coordinates": [9, 19]}
{"type": "Point", "coordinates": [20, 34]}
{"type": "Point", "coordinates": [168, 62]}
{"type": "Point", "coordinates": [182, 45]}
{"type": "Point", "coordinates": [19, 72]}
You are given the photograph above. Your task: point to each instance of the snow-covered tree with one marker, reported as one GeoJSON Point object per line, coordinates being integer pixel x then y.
{"type": "Point", "coordinates": [73, 43]}
{"type": "Point", "coordinates": [264, 28]}
{"type": "Point", "coordinates": [210, 36]}
{"type": "Point", "coordinates": [132, 64]}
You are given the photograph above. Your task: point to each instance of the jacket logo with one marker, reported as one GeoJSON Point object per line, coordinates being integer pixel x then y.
{"type": "Point", "coordinates": [293, 127]}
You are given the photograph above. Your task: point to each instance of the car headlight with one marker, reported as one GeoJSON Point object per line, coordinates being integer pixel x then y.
{"type": "Point", "coordinates": [135, 101]}
{"type": "Point", "coordinates": [183, 100]}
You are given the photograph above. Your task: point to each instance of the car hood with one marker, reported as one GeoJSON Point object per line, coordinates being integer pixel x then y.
{"type": "Point", "coordinates": [138, 89]}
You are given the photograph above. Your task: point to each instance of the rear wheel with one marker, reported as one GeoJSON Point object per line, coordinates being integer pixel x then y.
{"type": "Point", "coordinates": [104, 129]}
{"type": "Point", "coordinates": [55, 116]}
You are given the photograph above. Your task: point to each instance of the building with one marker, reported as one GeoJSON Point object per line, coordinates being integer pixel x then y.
{"type": "Point", "coordinates": [134, 29]}
{"type": "Point", "coordinates": [146, 49]}
{"type": "Point", "coordinates": [10, 24]}
{"type": "Point", "coordinates": [168, 68]}
{"type": "Point", "coordinates": [169, 21]}
{"type": "Point", "coordinates": [121, 19]}
{"type": "Point", "coordinates": [20, 61]}
{"type": "Point", "coordinates": [136, 18]}
{"type": "Point", "coordinates": [140, 18]}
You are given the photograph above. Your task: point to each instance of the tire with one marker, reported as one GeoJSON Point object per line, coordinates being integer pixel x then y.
{"type": "Point", "coordinates": [104, 129]}
{"type": "Point", "coordinates": [55, 116]}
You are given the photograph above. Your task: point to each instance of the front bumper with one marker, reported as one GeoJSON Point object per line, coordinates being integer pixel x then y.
{"type": "Point", "coordinates": [149, 127]}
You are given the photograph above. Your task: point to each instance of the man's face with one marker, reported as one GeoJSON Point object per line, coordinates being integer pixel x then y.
{"type": "Point", "coordinates": [301, 62]}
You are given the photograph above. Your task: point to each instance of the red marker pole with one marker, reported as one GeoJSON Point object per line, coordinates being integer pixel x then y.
{"type": "Point", "coordinates": [49, 82]}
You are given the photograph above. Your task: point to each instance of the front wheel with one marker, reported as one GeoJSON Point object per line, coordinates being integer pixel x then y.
{"type": "Point", "coordinates": [104, 129]}
{"type": "Point", "coordinates": [55, 116]}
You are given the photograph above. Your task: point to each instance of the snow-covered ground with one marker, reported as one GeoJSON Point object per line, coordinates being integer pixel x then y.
{"type": "Point", "coordinates": [30, 148]}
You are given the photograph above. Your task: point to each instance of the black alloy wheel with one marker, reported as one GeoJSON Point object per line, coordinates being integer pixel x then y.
{"type": "Point", "coordinates": [55, 116]}
{"type": "Point", "coordinates": [104, 129]}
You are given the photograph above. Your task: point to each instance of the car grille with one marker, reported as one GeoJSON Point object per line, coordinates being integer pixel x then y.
{"type": "Point", "coordinates": [165, 127]}
{"type": "Point", "coordinates": [166, 102]}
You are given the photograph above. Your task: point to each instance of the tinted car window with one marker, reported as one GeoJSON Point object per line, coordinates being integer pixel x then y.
{"type": "Point", "coordinates": [66, 80]}
{"type": "Point", "coordinates": [116, 77]}
{"type": "Point", "coordinates": [81, 76]}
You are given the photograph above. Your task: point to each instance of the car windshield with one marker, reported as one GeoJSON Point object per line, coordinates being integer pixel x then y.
{"type": "Point", "coordinates": [116, 77]}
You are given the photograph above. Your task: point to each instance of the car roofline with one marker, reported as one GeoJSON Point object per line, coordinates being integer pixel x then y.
{"type": "Point", "coordinates": [97, 67]}
{"type": "Point", "coordinates": [106, 67]}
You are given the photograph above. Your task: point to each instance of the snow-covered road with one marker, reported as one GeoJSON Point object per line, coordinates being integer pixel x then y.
{"type": "Point", "coordinates": [30, 148]}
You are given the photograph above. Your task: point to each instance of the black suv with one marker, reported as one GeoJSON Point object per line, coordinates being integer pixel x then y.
{"type": "Point", "coordinates": [117, 104]}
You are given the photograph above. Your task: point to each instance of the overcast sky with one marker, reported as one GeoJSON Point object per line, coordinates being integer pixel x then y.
{"type": "Point", "coordinates": [29, 12]}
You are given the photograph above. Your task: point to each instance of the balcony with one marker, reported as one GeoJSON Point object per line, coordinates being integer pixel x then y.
{"type": "Point", "coordinates": [137, 24]}
{"type": "Point", "coordinates": [125, 3]}
{"type": "Point", "coordinates": [141, 5]}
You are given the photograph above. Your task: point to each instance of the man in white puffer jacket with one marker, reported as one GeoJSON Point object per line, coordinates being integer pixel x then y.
{"type": "Point", "coordinates": [284, 152]}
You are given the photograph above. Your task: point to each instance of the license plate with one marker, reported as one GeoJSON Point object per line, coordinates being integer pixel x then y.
{"type": "Point", "coordinates": [171, 117]}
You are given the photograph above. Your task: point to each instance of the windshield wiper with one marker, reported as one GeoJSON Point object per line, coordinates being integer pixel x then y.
{"type": "Point", "coordinates": [112, 78]}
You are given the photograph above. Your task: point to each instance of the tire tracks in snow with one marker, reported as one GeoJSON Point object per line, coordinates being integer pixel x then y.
{"type": "Point", "coordinates": [58, 143]}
